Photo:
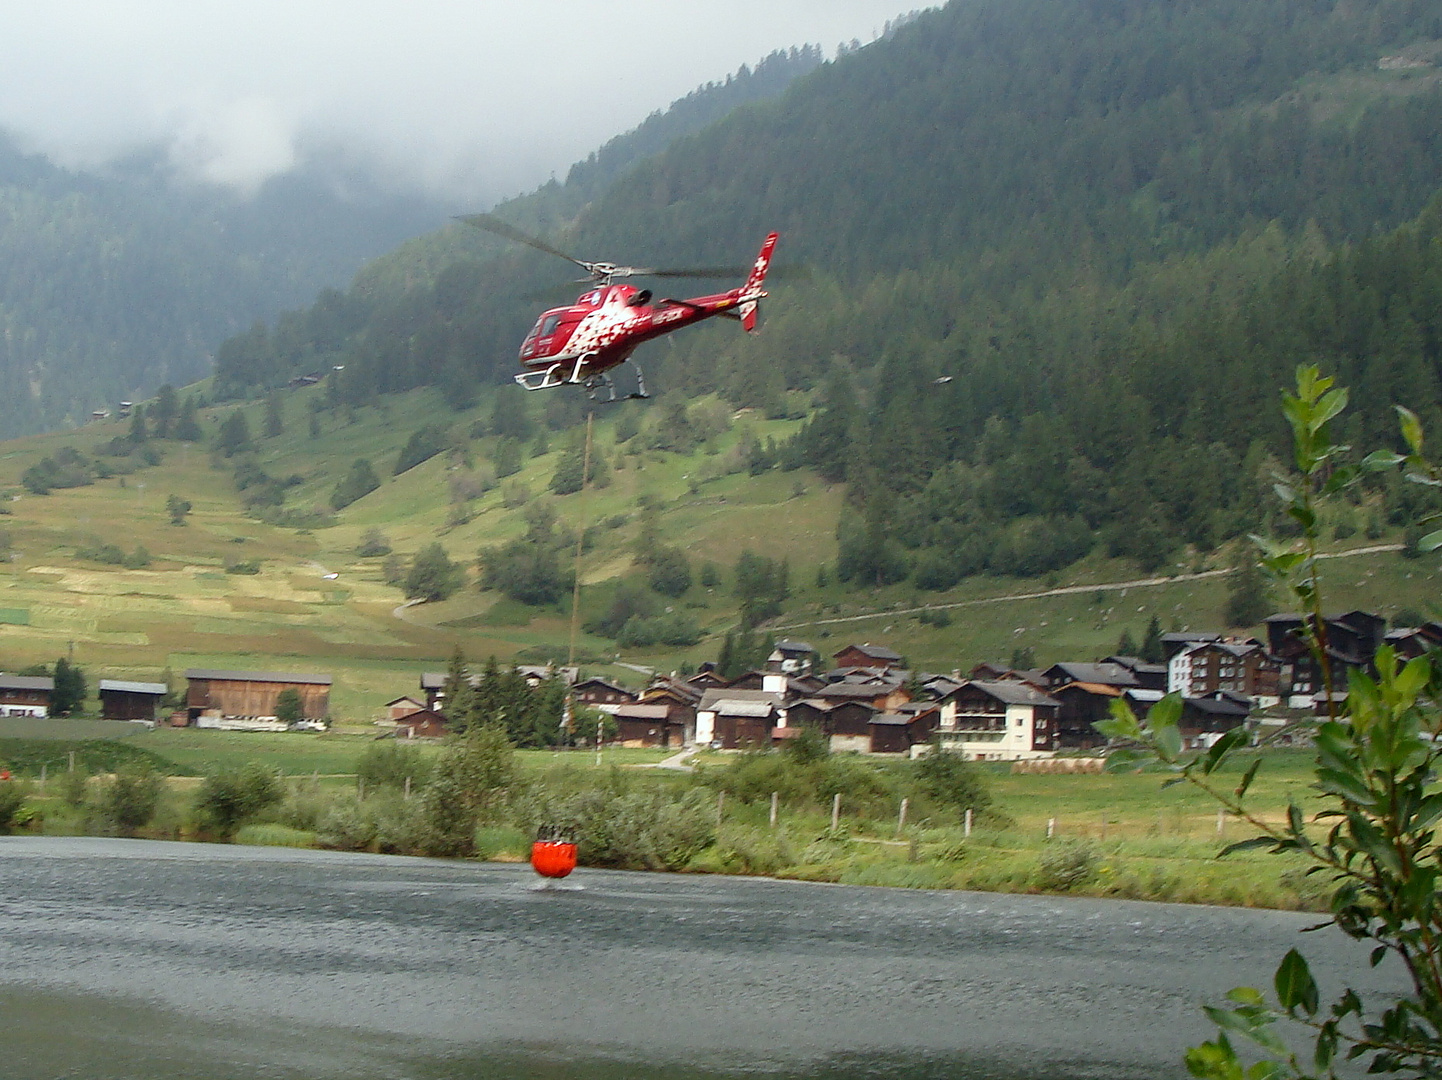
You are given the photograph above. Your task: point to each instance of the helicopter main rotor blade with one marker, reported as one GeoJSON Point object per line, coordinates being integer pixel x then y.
{"type": "Point", "coordinates": [701, 272]}
{"type": "Point", "coordinates": [493, 224]}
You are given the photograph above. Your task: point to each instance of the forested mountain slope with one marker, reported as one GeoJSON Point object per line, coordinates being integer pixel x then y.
{"type": "Point", "coordinates": [111, 285]}
{"type": "Point", "coordinates": [1113, 225]}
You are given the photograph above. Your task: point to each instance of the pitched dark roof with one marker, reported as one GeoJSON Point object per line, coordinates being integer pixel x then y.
{"type": "Point", "coordinates": [724, 697]}
{"type": "Point", "coordinates": [786, 645]}
{"type": "Point", "coordinates": [641, 712]}
{"type": "Point", "coordinates": [158, 689]}
{"type": "Point", "coordinates": [26, 682]}
{"type": "Point", "coordinates": [596, 680]}
{"type": "Point", "coordinates": [891, 719]}
{"type": "Point", "coordinates": [1216, 707]}
{"type": "Point", "coordinates": [876, 652]}
{"type": "Point", "coordinates": [1012, 692]}
{"type": "Point", "coordinates": [1110, 674]}
{"type": "Point", "coordinates": [856, 691]}
{"type": "Point", "coordinates": [257, 676]}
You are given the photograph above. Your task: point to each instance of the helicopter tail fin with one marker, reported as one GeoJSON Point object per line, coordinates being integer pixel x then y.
{"type": "Point", "coordinates": [751, 292]}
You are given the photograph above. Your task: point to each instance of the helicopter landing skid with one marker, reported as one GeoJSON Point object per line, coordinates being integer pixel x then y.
{"type": "Point", "coordinates": [566, 374]}
{"type": "Point", "coordinates": [596, 383]}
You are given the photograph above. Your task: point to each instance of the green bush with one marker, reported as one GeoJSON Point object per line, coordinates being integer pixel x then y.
{"type": "Point", "coordinates": [128, 802]}
{"type": "Point", "coordinates": [952, 781]}
{"type": "Point", "coordinates": [229, 798]}
{"type": "Point", "coordinates": [12, 803]}
{"type": "Point", "coordinates": [643, 830]}
{"type": "Point", "coordinates": [1066, 864]}
{"type": "Point", "coordinates": [389, 764]}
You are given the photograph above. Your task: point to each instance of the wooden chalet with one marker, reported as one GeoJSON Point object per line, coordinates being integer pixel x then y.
{"type": "Point", "coordinates": [1353, 638]}
{"type": "Point", "coordinates": [867, 655]}
{"type": "Point", "coordinates": [680, 700]}
{"type": "Point", "coordinates": [120, 700]}
{"type": "Point", "coordinates": [1410, 642]}
{"type": "Point", "coordinates": [1149, 676]}
{"type": "Point", "coordinates": [882, 694]}
{"type": "Point", "coordinates": [1237, 664]}
{"type": "Point", "coordinates": [599, 692]}
{"type": "Point", "coordinates": [25, 695]}
{"type": "Point", "coordinates": [253, 694]}
{"type": "Point", "coordinates": [999, 720]}
{"type": "Point", "coordinates": [730, 719]}
{"type": "Point", "coordinates": [844, 722]}
{"type": "Point", "coordinates": [1205, 719]}
{"type": "Point", "coordinates": [401, 707]}
{"type": "Point", "coordinates": [899, 732]}
{"type": "Point", "coordinates": [791, 657]}
{"type": "Point", "coordinates": [1103, 674]}
{"type": "Point", "coordinates": [421, 724]}
{"type": "Point", "coordinates": [663, 724]}
{"type": "Point", "coordinates": [1082, 705]}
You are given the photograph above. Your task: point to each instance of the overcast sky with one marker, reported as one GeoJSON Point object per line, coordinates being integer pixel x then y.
{"type": "Point", "coordinates": [480, 99]}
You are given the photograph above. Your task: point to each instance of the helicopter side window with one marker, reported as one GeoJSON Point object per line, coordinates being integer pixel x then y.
{"type": "Point", "coordinates": [549, 326]}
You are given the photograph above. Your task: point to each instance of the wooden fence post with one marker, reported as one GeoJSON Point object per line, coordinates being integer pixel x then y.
{"type": "Point", "coordinates": [966, 826]}
{"type": "Point", "coordinates": [775, 799]}
{"type": "Point", "coordinates": [1050, 827]}
{"type": "Point", "coordinates": [901, 817]}
{"type": "Point", "coordinates": [835, 811]}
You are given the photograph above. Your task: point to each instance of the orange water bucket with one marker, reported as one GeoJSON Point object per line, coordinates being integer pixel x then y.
{"type": "Point", "coordinates": [553, 858]}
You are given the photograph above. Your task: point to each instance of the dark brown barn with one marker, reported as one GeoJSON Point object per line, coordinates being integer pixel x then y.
{"type": "Point", "coordinates": [1352, 639]}
{"type": "Point", "coordinates": [658, 724]}
{"type": "Point", "coordinates": [421, 724]}
{"type": "Point", "coordinates": [401, 707]}
{"type": "Point", "coordinates": [867, 655]}
{"type": "Point", "coordinates": [1082, 705]}
{"type": "Point", "coordinates": [253, 693]}
{"type": "Point", "coordinates": [898, 732]}
{"type": "Point", "coordinates": [121, 700]}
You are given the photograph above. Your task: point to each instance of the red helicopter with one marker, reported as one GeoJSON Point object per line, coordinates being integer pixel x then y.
{"type": "Point", "coordinates": [580, 345]}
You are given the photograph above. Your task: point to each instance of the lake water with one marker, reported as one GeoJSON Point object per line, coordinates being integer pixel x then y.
{"type": "Point", "coordinates": [130, 959]}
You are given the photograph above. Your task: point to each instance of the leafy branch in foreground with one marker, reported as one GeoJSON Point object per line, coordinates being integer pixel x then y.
{"type": "Point", "coordinates": [1376, 770]}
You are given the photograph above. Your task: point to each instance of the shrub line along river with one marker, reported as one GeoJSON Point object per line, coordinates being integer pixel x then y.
{"type": "Point", "coordinates": [133, 958]}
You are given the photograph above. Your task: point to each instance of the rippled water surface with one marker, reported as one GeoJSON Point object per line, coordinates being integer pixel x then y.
{"type": "Point", "coordinates": [140, 959]}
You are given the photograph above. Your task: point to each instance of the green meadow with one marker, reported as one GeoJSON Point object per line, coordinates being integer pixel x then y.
{"type": "Point", "coordinates": [316, 606]}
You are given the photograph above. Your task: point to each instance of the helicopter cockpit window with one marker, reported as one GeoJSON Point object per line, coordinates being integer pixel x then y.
{"type": "Point", "coordinates": [548, 326]}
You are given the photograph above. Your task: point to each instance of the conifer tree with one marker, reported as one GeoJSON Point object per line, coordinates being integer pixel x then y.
{"type": "Point", "coordinates": [1152, 649]}
{"type": "Point", "coordinates": [187, 426]}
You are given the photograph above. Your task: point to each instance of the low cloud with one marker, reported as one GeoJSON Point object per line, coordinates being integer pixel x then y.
{"type": "Point", "coordinates": [470, 98]}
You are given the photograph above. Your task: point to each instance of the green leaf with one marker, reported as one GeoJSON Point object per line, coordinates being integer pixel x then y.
{"type": "Point", "coordinates": [1380, 460]}
{"type": "Point", "coordinates": [1428, 811]}
{"type": "Point", "coordinates": [1411, 428]}
{"type": "Point", "coordinates": [1296, 989]}
{"type": "Point", "coordinates": [1168, 741]}
{"type": "Point", "coordinates": [1331, 404]}
{"type": "Point", "coordinates": [1221, 748]}
{"type": "Point", "coordinates": [1248, 777]}
{"type": "Point", "coordinates": [1345, 785]}
{"type": "Point", "coordinates": [1249, 845]}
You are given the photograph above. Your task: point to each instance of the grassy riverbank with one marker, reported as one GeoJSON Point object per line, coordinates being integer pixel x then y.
{"type": "Point", "coordinates": [1100, 835]}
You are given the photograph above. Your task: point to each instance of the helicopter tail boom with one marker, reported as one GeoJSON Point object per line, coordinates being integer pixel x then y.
{"type": "Point", "coordinates": [751, 292]}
